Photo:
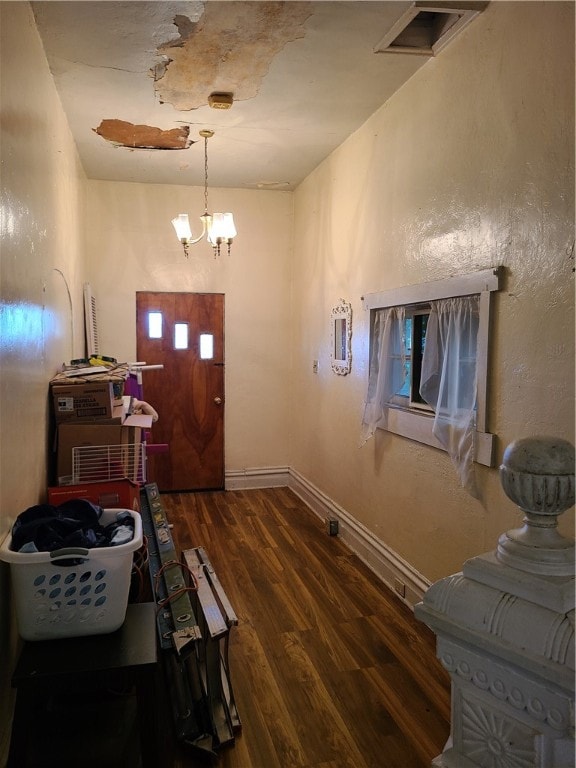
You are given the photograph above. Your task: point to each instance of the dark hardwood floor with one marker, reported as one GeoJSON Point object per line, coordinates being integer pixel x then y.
{"type": "Point", "coordinates": [329, 668]}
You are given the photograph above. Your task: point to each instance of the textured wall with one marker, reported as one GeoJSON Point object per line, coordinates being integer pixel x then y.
{"type": "Point", "coordinates": [470, 165]}
{"type": "Point", "coordinates": [41, 271]}
{"type": "Point", "coordinates": [132, 247]}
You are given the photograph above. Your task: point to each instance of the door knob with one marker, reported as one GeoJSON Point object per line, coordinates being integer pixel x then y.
{"type": "Point", "coordinates": [218, 400]}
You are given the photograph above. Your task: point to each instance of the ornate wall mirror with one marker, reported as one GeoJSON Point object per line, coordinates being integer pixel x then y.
{"type": "Point", "coordinates": [341, 336]}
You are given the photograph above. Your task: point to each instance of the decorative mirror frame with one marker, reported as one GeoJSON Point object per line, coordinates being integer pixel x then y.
{"type": "Point", "coordinates": [341, 338]}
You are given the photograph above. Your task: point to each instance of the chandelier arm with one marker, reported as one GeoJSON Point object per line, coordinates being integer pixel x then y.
{"type": "Point", "coordinates": [192, 241]}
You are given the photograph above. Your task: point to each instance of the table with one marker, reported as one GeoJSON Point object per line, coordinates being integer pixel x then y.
{"type": "Point", "coordinates": [76, 675]}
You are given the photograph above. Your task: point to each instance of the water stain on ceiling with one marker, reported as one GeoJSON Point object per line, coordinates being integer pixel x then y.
{"type": "Point", "coordinates": [229, 50]}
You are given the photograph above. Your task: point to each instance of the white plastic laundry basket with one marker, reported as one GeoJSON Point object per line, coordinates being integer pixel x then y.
{"type": "Point", "coordinates": [74, 591]}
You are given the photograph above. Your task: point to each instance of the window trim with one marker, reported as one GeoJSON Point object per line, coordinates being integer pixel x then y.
{"type": "Point", "coordinates": [416, 424]}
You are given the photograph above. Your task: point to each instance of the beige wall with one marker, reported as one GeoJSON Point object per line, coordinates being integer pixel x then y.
{"type": "Point", "coordinates": [132, 247]}
{"type": "Point", "coordinates": [41, 279]}
{"type": "Point", "coordinates": [470, 165]}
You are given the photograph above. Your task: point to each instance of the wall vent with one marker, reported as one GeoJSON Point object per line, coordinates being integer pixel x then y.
{"type": "Point", "coordinates": [426, 27]}
{"type": "Point", "coordinates": [92, 346]}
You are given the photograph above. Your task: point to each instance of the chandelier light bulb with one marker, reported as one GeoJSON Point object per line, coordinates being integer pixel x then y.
{"type": "Point", "coordinates": [182, 226]}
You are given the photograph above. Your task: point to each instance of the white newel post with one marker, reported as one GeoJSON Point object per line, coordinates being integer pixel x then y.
{"type": "Point", "coordinates": [505, 626]}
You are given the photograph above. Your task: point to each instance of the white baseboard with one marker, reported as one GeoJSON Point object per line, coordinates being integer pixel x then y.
{"type": "Point", "coordinates": [383, 561]}
{"type": "Point", "coordinates": [262, 477]}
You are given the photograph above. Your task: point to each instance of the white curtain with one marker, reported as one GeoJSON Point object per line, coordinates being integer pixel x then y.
{"type": "Point", "coordinates": [448, 379]}
{"type": "Point", "coordinates": [387, 368]}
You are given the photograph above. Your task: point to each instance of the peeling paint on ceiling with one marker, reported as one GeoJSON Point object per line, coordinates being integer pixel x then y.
{"type": "Point", "coordinates": [304, 76]}
{"type": "Point", "coordinates": [229, 49]}
{"type": "Point", "coordinates": [133, 136]}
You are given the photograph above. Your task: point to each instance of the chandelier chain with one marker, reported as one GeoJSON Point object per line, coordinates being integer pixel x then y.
{"type": "Point", "coordinates": [205, 174]}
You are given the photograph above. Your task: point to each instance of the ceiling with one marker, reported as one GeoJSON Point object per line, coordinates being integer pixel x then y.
{"type": "Point", "coordinates": [135, 78]}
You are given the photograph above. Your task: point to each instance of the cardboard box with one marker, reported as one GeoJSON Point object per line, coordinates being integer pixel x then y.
{"type": "Point", "coordinates": [94, 374]}
{"type": "Point", "coordinates": [141, 420]}
{"type": "Point", "coordinates": [82, 403]}
{"type": "Point", "coordinates": [77, 435]}
{"type": "Point", "coordinates": [118, 417]}
{"type": "Point", "coordinates": [112, 494]}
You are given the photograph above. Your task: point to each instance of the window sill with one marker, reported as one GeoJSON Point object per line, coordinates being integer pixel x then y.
{"type": "Point", "coordinates": [418, 426]}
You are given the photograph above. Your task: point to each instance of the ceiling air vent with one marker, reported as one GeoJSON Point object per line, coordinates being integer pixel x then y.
{"type": "Point", "coordinates": [426, 27]}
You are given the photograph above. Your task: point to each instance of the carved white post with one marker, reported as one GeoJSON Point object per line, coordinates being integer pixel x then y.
{"type": "Point", "coordinates": [505, 626]}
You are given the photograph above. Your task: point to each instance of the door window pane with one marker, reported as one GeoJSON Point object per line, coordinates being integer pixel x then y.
{"type": "Point", "coordinates": [206, 346]}
{"type": "Point", "coordinates": [180, 335]}
{"type": "Point", "coordinates": [154, 325]}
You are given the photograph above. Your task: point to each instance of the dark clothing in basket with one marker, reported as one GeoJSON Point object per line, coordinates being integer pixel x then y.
{"type": "Point", "coordinates": [75, 523]}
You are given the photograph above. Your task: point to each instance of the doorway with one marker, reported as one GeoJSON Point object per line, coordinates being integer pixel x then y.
{"type": "Point", "coordinates": [184, 332]}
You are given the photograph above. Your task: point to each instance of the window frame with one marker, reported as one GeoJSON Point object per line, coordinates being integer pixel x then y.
{"type": "Point", "coordinates": [415, 423]}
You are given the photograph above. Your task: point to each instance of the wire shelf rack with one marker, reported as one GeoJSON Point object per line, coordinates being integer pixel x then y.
{"type": "Point", "coordinates": [97, 463]}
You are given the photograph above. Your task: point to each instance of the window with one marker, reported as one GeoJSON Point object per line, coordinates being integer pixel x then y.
{"type": "Point", "coordinates": [206, 346]}
{"type": "Point", "coordinates": [180, 335]}
{"type": "Point", "coordinates": [428, 366]}
{"type": "Point", "coordinates": [154, 325]}
{"type": "Point", "coordinates": [414, 339]}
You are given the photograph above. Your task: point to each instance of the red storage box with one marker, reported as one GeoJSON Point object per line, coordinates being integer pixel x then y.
{"type": "Point", "coordinates": [114, 494]}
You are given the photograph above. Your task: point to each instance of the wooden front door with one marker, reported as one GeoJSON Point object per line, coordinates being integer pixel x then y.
{"type": "Point", "coordinates": [184, 332]}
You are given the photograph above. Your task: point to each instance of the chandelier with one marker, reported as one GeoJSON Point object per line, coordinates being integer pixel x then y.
{"type": "Point", "coordinates": [218, 228]}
